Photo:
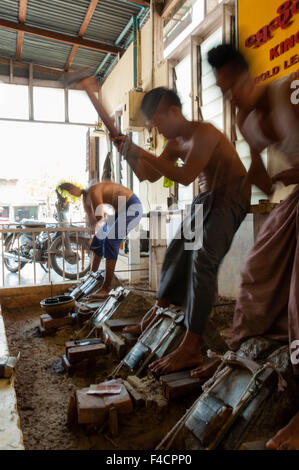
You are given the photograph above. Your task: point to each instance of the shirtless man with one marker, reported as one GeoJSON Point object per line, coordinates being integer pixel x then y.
{"type": "Point", "coordinates": [112, 229]}
{"type": "Point", "coordinates": [268, 116]}
{"type": "Point", "coordinates": [189, 277]}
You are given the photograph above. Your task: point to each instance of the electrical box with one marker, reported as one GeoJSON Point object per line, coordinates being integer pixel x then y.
{"type": "Point", "coordinates": [132, 117]}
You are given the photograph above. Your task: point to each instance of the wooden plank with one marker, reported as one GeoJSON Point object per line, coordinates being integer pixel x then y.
{"type": "Point", "coordinates": [22, 10]}
{"type": "Point", "coordinates": [137, 397]}
{"type": "Point", "coordinates": [85, 23]}
{"type": "Point", "coordinates": [255, 445]}
{"type": "Point", "coordinates": [20, 37]}
{"type": "Point", "coordinates": [175, 376]}
{"type": "Point", "coordinates": [71, 57]}
{"type": "Point", "coordinates": [79, 353]}
{"type": "Point", "coordinates": [10, 432]}
{"type": "Point", "coordinates": [88, 16]}
{"type": "Point", "coordinates": [182, 387]}
{"type": "Point", "coordinates": [120, 323]}
{"type": "Point", "coordinates": [95, 409]}
{"type": "Point", "coordinates": [60, 37]}
{"type": "Point", "coordinates": [113, 421]}
{"type": "Point", "coordinates": [113, 340]}
{"type": "Point", "coordinates": [48, 322]}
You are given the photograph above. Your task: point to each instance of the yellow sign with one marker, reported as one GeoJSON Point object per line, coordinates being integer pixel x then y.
{"type": "Point", "coordinates": [268, 34]}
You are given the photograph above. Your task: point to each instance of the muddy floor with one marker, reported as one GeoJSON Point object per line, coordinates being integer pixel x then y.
{"type": "Point", "coordinates": [44, 390]}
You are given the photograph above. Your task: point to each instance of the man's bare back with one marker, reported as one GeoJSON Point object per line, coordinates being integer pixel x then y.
{"type": "Point", "coordinates": [107, 192]}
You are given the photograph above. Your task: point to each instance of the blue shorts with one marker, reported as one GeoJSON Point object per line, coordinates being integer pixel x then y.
{"type": "Point", "coordinates": [106, 242]}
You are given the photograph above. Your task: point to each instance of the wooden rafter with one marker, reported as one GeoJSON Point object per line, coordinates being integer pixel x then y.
{"type": "Point", "coordinates": [84, 26]}
{"type": "Point", "coordinates": [60, 37]}
{"type": "Point", "coordinates": [20, 37]}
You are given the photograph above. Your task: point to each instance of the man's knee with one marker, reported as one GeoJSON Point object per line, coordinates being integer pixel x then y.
{"type": "Point", "coordinates": [207, 259]}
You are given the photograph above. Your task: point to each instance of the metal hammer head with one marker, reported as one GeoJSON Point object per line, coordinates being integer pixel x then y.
{"type": "Point", "coordinates": [73, 78]}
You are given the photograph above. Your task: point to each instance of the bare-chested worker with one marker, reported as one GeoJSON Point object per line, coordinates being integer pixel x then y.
{"type": "Point", "coordinates": [113, 229]}
{"type": "Point", "coordinates": [269, 297]}
{"type": "Point", "coordinates": [189, 276]}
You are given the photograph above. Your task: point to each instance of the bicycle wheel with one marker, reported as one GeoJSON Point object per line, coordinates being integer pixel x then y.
{"type": "Point", "coordinates": [83, 259]}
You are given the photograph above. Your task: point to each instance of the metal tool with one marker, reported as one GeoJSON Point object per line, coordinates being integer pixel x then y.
{"type": "Point", "coordinates": [172, 326]}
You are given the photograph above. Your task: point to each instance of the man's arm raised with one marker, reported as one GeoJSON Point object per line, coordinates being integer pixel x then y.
{"type": "Point", "coordinates": [202, 147]}
{"type": "Point", "coordinates": [132, 154]}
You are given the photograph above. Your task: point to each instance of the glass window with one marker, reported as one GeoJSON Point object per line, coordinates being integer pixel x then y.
{"type": "Point", "coordinates": [80, 108]}
{"type": "Point", "coordinates": [212, 100]}
{"type": "Point", "coordinates": [14, 101]}
{"type": "Point", "coordinates": [183, 88]}
{"type": "Point", "coordinates": [48, 104]}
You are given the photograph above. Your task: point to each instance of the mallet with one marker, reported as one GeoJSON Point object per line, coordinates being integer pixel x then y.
{"type": "Point", "coordinates": [84, 79]}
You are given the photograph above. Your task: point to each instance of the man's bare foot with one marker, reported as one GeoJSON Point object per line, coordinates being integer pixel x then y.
{"type": "Point", "coordinates": [181, 358]}
{"type": "Point", "coordinates": [206, 369]}
{"type": "Point", "coordinates": [102, 294]}
{"type": "Point", "coordinates": [287, 438]}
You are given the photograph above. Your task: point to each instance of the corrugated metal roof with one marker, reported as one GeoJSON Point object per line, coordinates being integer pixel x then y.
{"type": "Point", "coordinates": [8, 43]}
{"type": "Point", "coordinates": [88, 58]}
{"type": "Point", "coordinates": [9, 10]}
{"type": "Point", "coordinates": [45, 51]}
{"type": "Point", "coordinates": [66, 16]}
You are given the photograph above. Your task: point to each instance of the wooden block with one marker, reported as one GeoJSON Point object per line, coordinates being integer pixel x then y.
{"type": "Point", "coordinates": [91, 351]}
{"type": "Point", "coordinates": [66, 364]}
{"type": "Point", "coordinates": [78, 343]}
{"type": "Point", "coordinates": [49, 332]}
{"type": "Point", "coordinates": [129, 339]}
{"type": "Point", "coordinates": [90, 408]}
{"type": "Point", "coordinates": [181, 388]}
{"type": "Point", "coordinates": [48, 322]}
{"type": "Point", "coordinates": [113, 421]}
{"type": "Point", "coordinates": [135, 382]}
{"type": "Point", "coordinates": [255, 445]}
{"type": "Point", "coordinates": [95, 408]}
{"type": "Point", "coordinates": [137, 397]}
{"type": "Point", "coordinates": [72, 417]}
{"type": "Point", "coordinates": [114, 341]}
{"type": "Point", "coordinates": [119, 323]}
{"type": "Point", "coordinates": [174, 376]}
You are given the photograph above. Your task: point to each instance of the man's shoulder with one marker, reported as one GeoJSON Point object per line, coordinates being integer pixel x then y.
{"type": "Point", "coordinates": [206, 128]}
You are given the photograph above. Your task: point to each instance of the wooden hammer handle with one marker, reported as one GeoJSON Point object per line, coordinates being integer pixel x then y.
{"type": "Point", "coordinates": [102, 112]}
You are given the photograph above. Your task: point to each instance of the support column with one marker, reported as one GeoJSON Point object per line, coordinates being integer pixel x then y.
{"type": "Point", "coordinates": [158, 245]}
{"type": "Point", "coordinates": [134, 256]}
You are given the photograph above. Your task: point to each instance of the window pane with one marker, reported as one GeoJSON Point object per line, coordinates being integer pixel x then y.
{"type": "Point", "coordinates": [212, 100]}
{"type": "Point", "coordinates": [48, 104]}
{"type": "Point", "coordinates": [80, 108]}
{"type": "Point", "coordinates": [183, 86]}
{"type": "Point", "coordinates": [14, 101]}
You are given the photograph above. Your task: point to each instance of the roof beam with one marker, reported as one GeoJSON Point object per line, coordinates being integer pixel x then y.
{"type": "Point", "coordinates": [142, 3]}
{"type": "Point", "coordinates": [60, 37]}
{"type": "Point", "coordinates": [41, 69]}
{"type": "Point", "coordinates": [169, 6]}
{"type": "Point", "coordinates": [84, 25]}
{"type": "Point", "coordinates": [20, 37]}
